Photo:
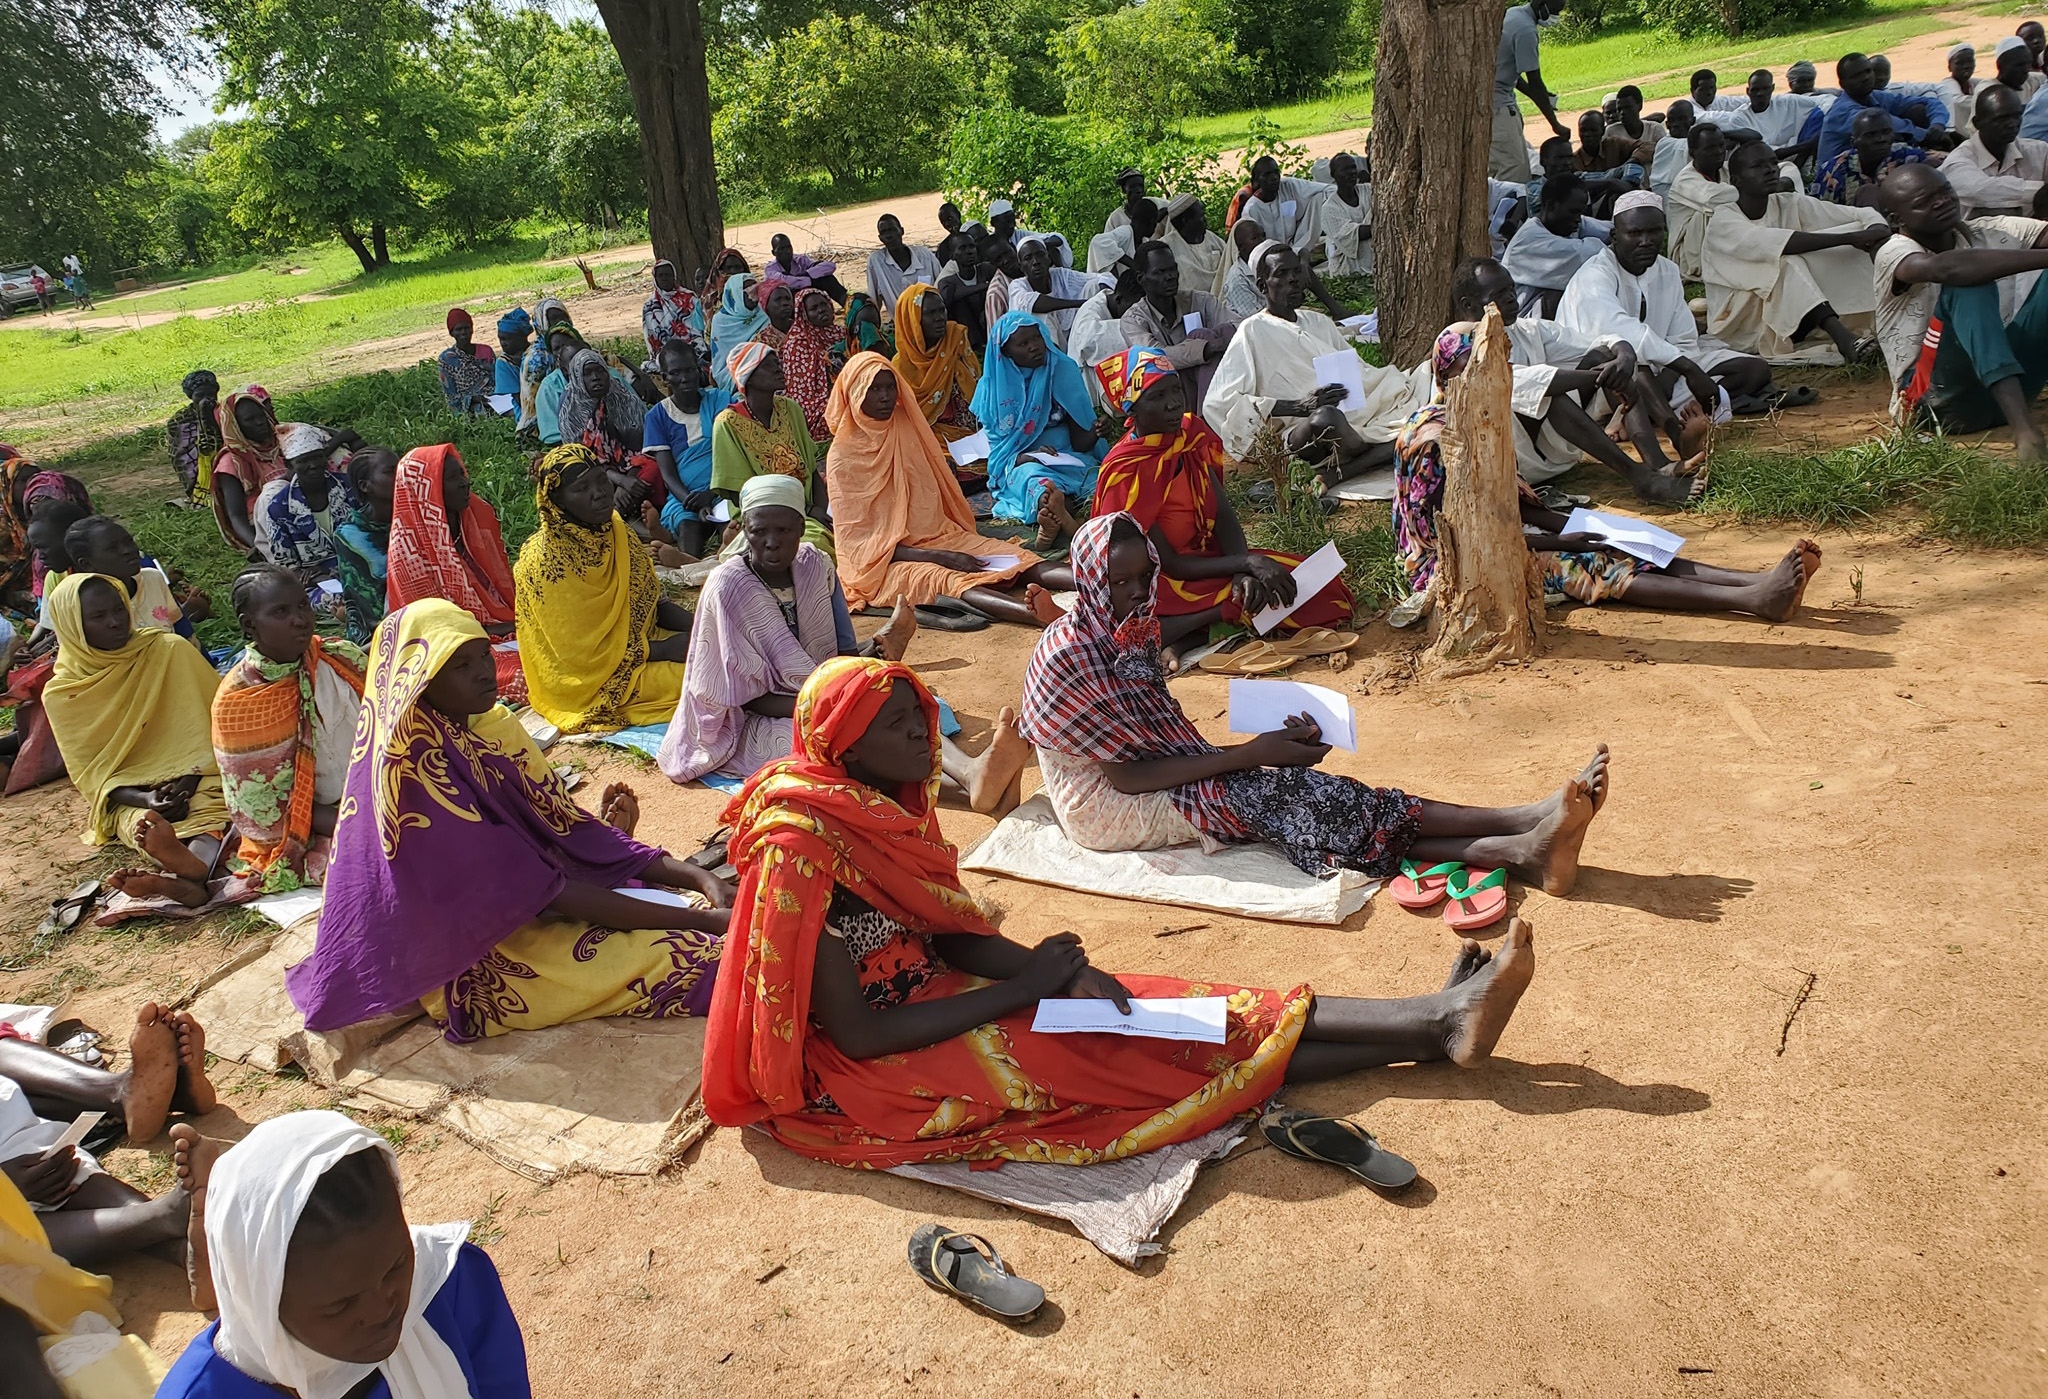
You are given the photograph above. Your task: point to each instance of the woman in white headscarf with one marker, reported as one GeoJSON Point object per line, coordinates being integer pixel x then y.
{"type": "Point", "coordinates": [322, 1284]}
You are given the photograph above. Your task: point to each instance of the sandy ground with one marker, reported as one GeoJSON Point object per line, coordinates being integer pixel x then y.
{"type": "Point", "coordinates": [1657, 1188]}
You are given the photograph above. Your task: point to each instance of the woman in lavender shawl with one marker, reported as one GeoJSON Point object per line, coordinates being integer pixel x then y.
{"type": "Point", "coordinates": [466, 879]}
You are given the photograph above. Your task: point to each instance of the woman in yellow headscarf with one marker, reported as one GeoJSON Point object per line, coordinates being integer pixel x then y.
{"type": "Point", "coordinates": [936, 365]}
{"type": "Point", "coordinates": [58, 1325]}
{"type": "Point", "coordinates": [601, 648]}
{"type": "Point", "coordinates": [132, 713]}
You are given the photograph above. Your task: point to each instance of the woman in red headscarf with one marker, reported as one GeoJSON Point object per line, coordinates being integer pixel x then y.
{"type": "Point", "coordinates": [445, 543]}
{"type": "Point", "coordinates": [469, 371]}
{"type": "Point", "coordinates": [868, 1014]}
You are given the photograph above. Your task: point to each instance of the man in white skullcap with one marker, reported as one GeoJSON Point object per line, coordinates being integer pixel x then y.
{"type": "Point", "coordinates": [1204, 258]}
{"type": "Point", "coordinates": [1960, 88]}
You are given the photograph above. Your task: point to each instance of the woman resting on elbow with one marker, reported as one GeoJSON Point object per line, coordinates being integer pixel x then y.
{"type": "Point", "coordinates": [876, 1017]}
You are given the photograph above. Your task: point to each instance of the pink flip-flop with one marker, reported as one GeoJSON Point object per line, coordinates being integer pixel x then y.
{"type": "Point", "coordinates": [1421, 889]}
{"type": "Point", "coordinates": [1475, 903]}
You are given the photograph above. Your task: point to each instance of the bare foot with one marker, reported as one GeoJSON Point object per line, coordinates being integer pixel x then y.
{"type": "Point", "coordinates": [619, 807]}
{"type": "Point", "coordinates": [995, 772]}
{"type": "Point", "coordinates": [1054, 519]}
{"type": "Point", "coordinates": [1777, 595]}
{"type": "Point", "coordinates": [1550, 859]}
{"type": "Point", "coordinates": [152, 1074]}
{"type": "Point", "coordinates": [1486, 999]}
{"type": "Point", "coordinates": [1594, 777]}
{"type": "Point", "coordinates": [1695, 440]}
{"type": "Point", "coordinates": [149, 884]}
{"type": "Point", "coordinates": [194, 1094]}
{"type": "Point", "coordinates": [893, 640]}
{"type": "Point", "coordinates": [1664, 485]}
{"type": "Point", "coordinates": [1809, 564]}
{"type": "Point", "coordinates": [1471, 957]}
{"type": "Point", "coordinates": [155, 838]}
{"type": "Point", "coordinates": [1041, 604]}
{"type": "Point", "coordinates": [192, 1156]}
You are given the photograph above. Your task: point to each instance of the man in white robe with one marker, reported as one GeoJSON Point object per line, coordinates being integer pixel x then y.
{"type": "Point", "coordinates": [1203, 257]}
{"type": "Point", "coordinates": [1052, 294]}
{"type": "Point", "coordinates": [1282, 205]}
{"type": "Point", "coordinates": [1097, 333]}
{"type": "Point", "coordinates": [1775, 117]}
{"type": "Point", "coordinates": [1997, 171]}
{"type": "Point", "coordinates": [1107, 249]}
{"type": "Point", "coordinates": [1547, 250]}
{"type": "Point", "coordinates": [1341, 242]}
{"type": "Point", "coordinates": [1269, 375]}
{"type": "Point", "coordinates": [1675, 153]}
{"type": "Point", "coordinates": [1132, 183]}
{"type": "Point", "coordinates": [1696, 192]}
{"type": "Point", "coordinates": [1632, 292]}
{"type": "Point", "coordinates": [896, 265]}
{"type": "Point", "coordinates": [1780, 266]}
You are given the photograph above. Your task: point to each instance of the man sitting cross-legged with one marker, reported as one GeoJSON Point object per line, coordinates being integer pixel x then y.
{"type": "Point", "coordinates": [1981, 279]}
{"type": "Point", "coordinates": [1779, 266]}
{"type": "Point", "coordinates": [1547, 250]}
{"type": "Point", "coordinates": [1633, 292]}
{"type": "Point", "coordinates": [1997, 171]}
{"type": "Point", "coordinates": [1696, 191]}
{"type": "Point", "coordinates": [1853, 176]}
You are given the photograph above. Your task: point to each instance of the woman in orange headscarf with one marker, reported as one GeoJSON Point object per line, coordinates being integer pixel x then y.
{"type": "Point", "coordinates": [445, 543]}
{"type": "Point", "coordinates": [868, 1014]}
{"type": "Point", "coordinates": [937, 365]}
{"type": "Point", "coordinates": [904, 529]}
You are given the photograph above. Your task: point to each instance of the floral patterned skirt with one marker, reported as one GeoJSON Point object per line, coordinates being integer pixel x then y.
{"type": "Point", "coordinates": [554, 971]}
{"type": "Point", "coordinates": [1323, 821]}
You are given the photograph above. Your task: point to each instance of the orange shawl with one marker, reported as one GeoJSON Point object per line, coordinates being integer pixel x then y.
{"type": "Point", "coordinates": [930, 374]}
{"type": "Point", "coordinates": [891, 485]}
{"type": "Point", "coordinates": [423, 561]}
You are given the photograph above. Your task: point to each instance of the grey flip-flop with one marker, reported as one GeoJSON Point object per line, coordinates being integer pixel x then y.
{"type": "Point", "coordinates": [968, 1267]}
{"type": "Point", "coordinates": [1336, 1141]}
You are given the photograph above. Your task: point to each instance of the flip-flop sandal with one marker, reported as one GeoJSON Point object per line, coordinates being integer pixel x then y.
{"type": "Point", "coordinates": [1475, 903]}
{"type": "Point", "coordinates": [1799, 396]}
{"type": "Point", "coordinates": [1317, 641]}
{"type": "Point", "coordinates": [1336, 1141]}
{"type": "Point", "coordinates": [1422, 889]}
{"type": "Point", "coordinates": [68, 912]}
{"type": "Point", "coordinates": [1255, 658]}
{"type": "Point", "coordinates": [1753, 405]}
{"type": "Point", "coordinates": [968, 1267]}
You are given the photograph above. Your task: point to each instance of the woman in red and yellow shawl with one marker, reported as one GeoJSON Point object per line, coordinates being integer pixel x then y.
{"type": "Point", "coordinates": [868, 1014]}
{"type": "Point", "coordinates": [1167, 475]}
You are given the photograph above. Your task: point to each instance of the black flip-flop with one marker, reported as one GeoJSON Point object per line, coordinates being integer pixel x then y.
{"type": "Point", "coordinates": [1799, 396]}
{"type": "Point", "coordinates": [1336, 1141]}
{"type": "Point", "coordinates": [1749, 405]}
{"type": "Point", "coordinates": [68, 912]}
{"type": "Point", "coordinates": [968, 1267]}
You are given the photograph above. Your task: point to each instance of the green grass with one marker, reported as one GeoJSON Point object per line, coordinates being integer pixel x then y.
{"type": "Point", "coordinates": [1953, 491]}
{"type": "Point", "coordinates": [1297, 525]}
{"type": "Point", "coordinates": [1584, 72]}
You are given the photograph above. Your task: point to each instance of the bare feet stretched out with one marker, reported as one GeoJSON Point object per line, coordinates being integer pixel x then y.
{"type": "Point", "coordinates": [1484, 1000]}
{"type": "Point", "coordinates": [893, 640]}
{"type": "Point", "coordinates": [1549, 857]}
{"type": "Point", "coordinates": [194, 1094]}
{"type": "Point", "coordinates": [1779, 592]}
{"type": "Point", "coordinates": [1471, 957]}
{"type": "Point", "coordinates": [193, 1156]}
{"type": "Point", "coordinates": [1054, 519]}
{"type": "Point", "coordinates": [156, 839]}
{"type": "Point", "coordinates": [992, 786]}
{"type": "Point", "coordinates": [1809, 564]}
{"type": "Point", "coordinates": [153, 884]}
{"type": "Point", "coordinates": [1041, 604]}
{"type": "Point", "coordinates": [619, 807]}
{"type": "Point", "coordinates": [152, 1073]}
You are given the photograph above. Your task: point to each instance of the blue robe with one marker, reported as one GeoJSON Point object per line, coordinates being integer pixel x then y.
{"type": "Point", "coordinates": [1021, 409]}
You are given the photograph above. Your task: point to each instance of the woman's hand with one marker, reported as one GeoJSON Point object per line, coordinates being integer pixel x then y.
{"type": "Point", "coordinates": [40, 1181]}
{"type": "Point", "coordinates": [173, 800]}
{"type": "Point", "coordinates": [1052, 966]}
{"type": "Point", "coordinates": [1298, 745]}
{"type": "Point", "coordinates": [1274, 576]}
{"type": "Point", "coordinates": [700, 503]}
{"type": "Point", "coordinates": [1095, 984]}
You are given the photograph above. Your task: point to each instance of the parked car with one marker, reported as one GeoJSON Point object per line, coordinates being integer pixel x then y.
{"type": "Point", "coordinates": [17, 292]}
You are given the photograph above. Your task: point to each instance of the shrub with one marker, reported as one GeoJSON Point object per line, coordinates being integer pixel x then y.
{"type": "Point", "coordinates": [1145, 66]}
{"type": "Point", "coordinates": [1292, 49]}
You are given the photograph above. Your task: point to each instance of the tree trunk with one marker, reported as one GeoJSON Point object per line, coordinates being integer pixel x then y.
{"type": "Point", "coordinates": [1430, 135]}
{"type": "Point", "coordinates": [361, 249]}
{"type": "Point", "coordinates": [1489, 587]}
{"type": "Point", "coordinates": [661, 46]}
{"type": "Point", "coordinates": [378, 244]}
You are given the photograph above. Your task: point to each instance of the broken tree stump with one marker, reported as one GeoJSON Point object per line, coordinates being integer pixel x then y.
{"type": "Point", "coordinates": [1489, 586]}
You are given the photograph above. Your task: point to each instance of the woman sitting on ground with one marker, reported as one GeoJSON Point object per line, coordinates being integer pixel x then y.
{"type": "Point", "coordinates": [444, 543]}
{"type": "Point", "coordinates": [905, 530]}
{"type": "Point", "coordinates": [601, 647]}
{"type": "Point", "coordinates": [296, 515]}
{"type": "Point", "coordinates": [864, 328]}
{"type": "Point", "coordinates": [1576, 567]}
{"type": "Point", "coordinates": [778, 303]}
{"type": "Point", "coordinates": [737, 322]}
{"type": "Point", "coordinates": [766, 620]}
{"type": "Point", "coordinates": [677, 435]}
{"type": "Point", "coordinates": [812, 355]}
{"type": "Point", "coordinates": [604, 414]}
{"type": "Point", "coordinates": [130, 709]}
{"type": "Point", "coordinates": [299, 1238]}
{"type": "Point", "coordinates": [539, 361]}
{"type": "Point", "coordinates": [445, 785]}
{"type": "Point", "coordinates": [469, 371]}
{"type": "Point", "coordinates": [868, 987]}
{"type": "Point", "coordinates": [763, 434]}
{"type": "Point", "coordinates": [1032, 398]}
{"type": "Point", "coordinates": [284, 726]}
{"type": "Point", "coordinates": [1126, 770]}
{"type": "Point", "coordinates": [253, 456]}
{"type": "Point", "coordinates": [26, 488]}
{"type": "Point", "coordinates": [935, 366]}
{"type": "Point", "coordinates": [362, 543]}
{"type": "Point", "coordinates": [1167, 474]}
{"type": "Point", "coordinates": [102, 544]}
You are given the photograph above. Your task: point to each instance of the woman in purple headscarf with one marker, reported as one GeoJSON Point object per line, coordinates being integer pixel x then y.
{"type": "Point", "coordinates": [466, 879]}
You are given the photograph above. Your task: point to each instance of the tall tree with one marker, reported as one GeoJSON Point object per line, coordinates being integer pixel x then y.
{"type": "Point", "coordinates": [661, 47]}
{"type": "Point", "coordinates": [1431, 128]}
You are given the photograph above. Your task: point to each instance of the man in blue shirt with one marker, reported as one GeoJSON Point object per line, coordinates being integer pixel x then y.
{"type": "Point", "coordinates": [1912, 117]}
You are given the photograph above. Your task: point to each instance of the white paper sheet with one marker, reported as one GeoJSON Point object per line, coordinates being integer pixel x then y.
{"type": "Point", "coordinates": [1198, 1018]}
{"type": "Point", "coordinates": [1311, 576]}
{"type": "Point", "coordinates": [971, 448]}
{"type": "Point", "coordinates": [1639, 538]}
{"type": "Point", "coordinates": [721, 513]}
{"type": "Point", "coordinates": [1191, 322]}
{"type": "Point", "coordinates": [501, 403]}
{"type": "Point", "coordinates": [998, 562]}
{"type": "Point", "coordinates": [1261, 706]}
{"type": "Point", "coordinates": [1056, 458]}
{"type": "Point", "coordinates": [74, 1134]}
{"type": "Point", "coordinates": [1343, 367]}
{"type": "Point", "coordinates": [668, 898]}
{"type": "Point", "coordinates": [1287, 208]}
